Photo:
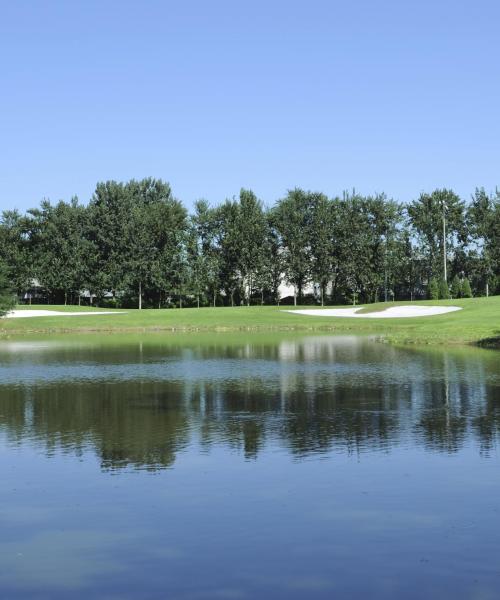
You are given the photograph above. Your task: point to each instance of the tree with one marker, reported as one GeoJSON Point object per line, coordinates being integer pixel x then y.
{"type": "Point", "coordinates": [483, 217]}
{"type": "Point", "coordinates": [444, 291]}
{"type": "Point", "coordinates": [466, 291]}
{"type": "Point", "coordinates": [433, 290]}
{"type": "Point", "coordinates": [108, 214]}
{"type": "Point", "coordinates": [438, 220]}
{"type": "Point", "coordinates": [17, 250]}
{"type": "Point", "coordinates": [138, 228]}
{"type": "Point", "coordinates": [292, 221]}
{"type": "Point", "coordinates": [321, 241]}
{"type": "Point", "coordinates": [7, 297]}
{"type": "Point", "coordinates": [228, 239]}
{"type": "Point", "coordinates": [384, 216]}
{"type": "Point", "coordinates": [205, 224]}
{"type": "Point", "coordinates": [363, 246]}
{"type": "Point", "coordinates": [456, 287]}
{"type": "Point", "coordinates": [154, 235]}
{"type": "Point", "coordinates": [251, 234]}
{"type": "Point", "coordinates": [270, 273]}
{"type": "Point", "coordinates": [61, 248]}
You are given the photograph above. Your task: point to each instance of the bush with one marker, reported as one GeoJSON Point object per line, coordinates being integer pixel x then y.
{"type": "Point", "coordinates": [466, 291]}
{"type": "Point", "coordinates": [7, 299]}
{"type": "Point", "coordinates": [456, 287]}
{"type": "Point", "coordinates": [433, 289]}
{"type": "Point", "coordinates": [444, 291]}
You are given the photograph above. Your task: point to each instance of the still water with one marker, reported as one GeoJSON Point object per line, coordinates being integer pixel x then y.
{"type": "Point", "coordinates": [260, 467]}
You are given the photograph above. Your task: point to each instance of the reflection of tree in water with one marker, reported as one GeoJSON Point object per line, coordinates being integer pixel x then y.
{"type": "Point", "coordinates": [456, 403]}
{"type": "Point", "coordinates": [318, 397]}
{"type": "Point", "coordinates": [342, 418]}
{"type": "Point", "coordinates": [239, 416]}
{"type": "Point", "coordinates": [138, 424]}
{"type": "Point", "coordinates": [486, 423]}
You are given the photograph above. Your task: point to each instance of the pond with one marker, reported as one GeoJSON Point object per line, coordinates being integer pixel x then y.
{"type": "Point", "coordinates": [231, 466]}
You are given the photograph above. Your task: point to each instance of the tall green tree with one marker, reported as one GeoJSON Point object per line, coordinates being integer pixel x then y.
{"type": "Point", "coordinates": [139, 229]}
{"type": "Point", "coordinates": [321, 241]}
{"type": "Point", "coordinates": [251, 234]}
{"type": "Point", "coordinates": [438, 220]}
{"type": "Point", "coordinates": [270, 274]}
{"type": "Point", "coordinates": [58, 234]}
{"type": "Point", "coordinates": [7, 296]}
{"type": "Point", "coordinates": [483, 217]}
{"type": "Point", "coordinates": [207, 257]}
{"type": "Point", "coordinates": [228, 237]}
{"type": "Point", "coordinates": [354, 250]}
{"type": "Point", "coordinates": [17, 250]}
{"type": "Point", "coordinates": [292, 221]}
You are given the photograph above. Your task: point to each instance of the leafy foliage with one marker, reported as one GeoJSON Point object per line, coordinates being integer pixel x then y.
{"type": "Point", "coordinates": [134, 244]}
{"type": "Point", "coordinates": [444, 290]}
{"type": "Point", "coordinates": [433, 291]}
{"type": "Point", "coordinates": [7, 298]}
{"type": "Point", "coordinates": [465, 291]}
{"type": "Point", "coordinates": [456, 287]}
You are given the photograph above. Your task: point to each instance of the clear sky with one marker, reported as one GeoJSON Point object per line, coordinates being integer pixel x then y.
{"type": "Point", "coordinates": [395, 96]}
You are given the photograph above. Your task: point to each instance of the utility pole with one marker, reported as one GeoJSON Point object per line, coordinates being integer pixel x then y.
{"type": "Point", "coordinates": [385, 268]}
{"type": "Point", "coordinates": [444, 241]}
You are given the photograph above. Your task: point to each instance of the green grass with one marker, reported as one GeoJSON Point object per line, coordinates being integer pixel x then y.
{"type": "Point", "coordinates": [478, 322]}
{"type": "Point", "coordinates": [68, 308]}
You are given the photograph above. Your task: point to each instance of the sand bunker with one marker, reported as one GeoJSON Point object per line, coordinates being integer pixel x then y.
{"type": "Point", "coordinates": [17, 314]}
{"type": "Point", "coordinates": [393, 312]}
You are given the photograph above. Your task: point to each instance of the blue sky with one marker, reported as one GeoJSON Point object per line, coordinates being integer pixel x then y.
{"type": "Point", "coordinates": [212, 96]}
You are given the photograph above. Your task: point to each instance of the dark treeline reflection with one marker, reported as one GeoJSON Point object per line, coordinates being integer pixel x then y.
{"type": "Point", "coordinates": [138, 406]}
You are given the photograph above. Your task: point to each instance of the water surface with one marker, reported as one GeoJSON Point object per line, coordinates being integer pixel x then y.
{"type": "Point", "coordinates": [218, 466]}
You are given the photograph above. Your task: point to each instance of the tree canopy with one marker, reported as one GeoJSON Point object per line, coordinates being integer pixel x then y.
{"type": "Point", "coordinates": [134, 244]}
{"type": "Point", "coordinates": [7, 299]}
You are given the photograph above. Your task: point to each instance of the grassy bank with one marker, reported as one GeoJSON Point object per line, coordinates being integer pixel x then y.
{"type": "Point", "coordinates": [478, 322]}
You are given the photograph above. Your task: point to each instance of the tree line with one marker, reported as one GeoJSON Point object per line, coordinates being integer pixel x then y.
{"type": "Point", "coordinates": [135, 244]}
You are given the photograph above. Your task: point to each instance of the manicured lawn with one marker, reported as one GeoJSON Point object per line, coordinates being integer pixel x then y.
{"type": "Point", "coordinates": [478, 321]}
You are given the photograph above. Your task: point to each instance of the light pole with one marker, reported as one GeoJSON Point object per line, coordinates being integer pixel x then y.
{"type": "Point", "coordinates": [444, 241]}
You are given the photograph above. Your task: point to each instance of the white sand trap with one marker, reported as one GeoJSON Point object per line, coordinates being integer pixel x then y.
{"type": "Point", "coordinates": [393, 312]}
{"type": "Point", "coordinates": [18, 314]}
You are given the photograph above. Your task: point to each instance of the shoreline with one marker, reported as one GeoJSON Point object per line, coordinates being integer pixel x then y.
{"type": "Point", "coordinates": [477, 324]}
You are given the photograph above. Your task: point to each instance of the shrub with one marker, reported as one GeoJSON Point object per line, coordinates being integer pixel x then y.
{"type": "Point", "coordinates": [456, 287]}
{"type": "Point", "coordinates": [444, 291]}
{"type": "Point", "coordinates": [7, 299]}
{"type": "Point", "coordinates": [466, 291]}
{"type": "Point", "coordinates": [433, 289]}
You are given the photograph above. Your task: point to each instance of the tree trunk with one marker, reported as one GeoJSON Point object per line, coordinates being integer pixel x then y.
{"type": "Point", "coordinates": [198, 300]}
{"type": "Point", "coordinates": [140, 295]}
{"type": "Point", "coordinates": [65, 298]}
{"type": "Point", "coordinates": [294, 296]}
{"type": "Point", "coordinates": [214, 298]}
{"type": "Point", "coordinates": [322, 295]}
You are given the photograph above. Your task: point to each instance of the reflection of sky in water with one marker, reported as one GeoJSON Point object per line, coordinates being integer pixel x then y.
{"type": "Point", "coordinates": [316, 468]}
{"type": "Point", "coordinates": [27, 363]}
